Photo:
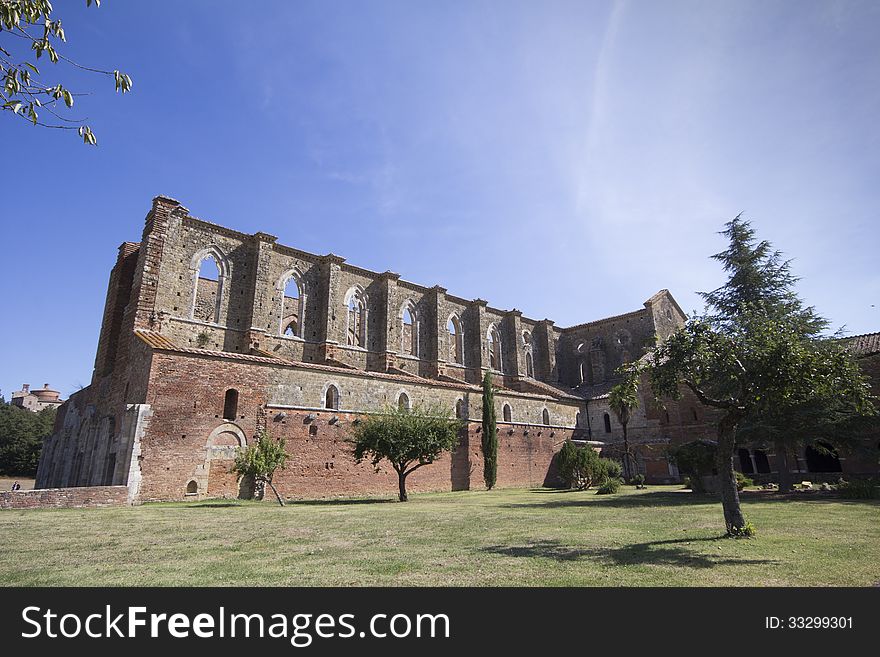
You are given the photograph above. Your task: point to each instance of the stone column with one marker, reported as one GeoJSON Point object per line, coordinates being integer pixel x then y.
{"type": "Point", "coordinates": [330, 304]}
{"type": "Point", "coordinates": [511, 343]}
{"type": "Point", "coordinates": [387, 321]}
{"type": "Point", "coordinates": [476, 356]}
{"type": "Point", "coordinates": [262, 292]}
{"type": "Point", "coordinates": [436, 345]}
{"type": "Point", "coordinates": [544, 352]}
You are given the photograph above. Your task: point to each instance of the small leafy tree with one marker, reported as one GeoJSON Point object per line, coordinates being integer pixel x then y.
{"type": "Point", "coordinates": [261, 459]}
{"type": "Point", "coordinates": [407, 438]}
{"type": "Point", "coordinates": [623, 400]}
{"type": "Point", "coordinates": [489, 442]}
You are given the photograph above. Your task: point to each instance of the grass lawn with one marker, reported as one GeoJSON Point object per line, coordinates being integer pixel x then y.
{"type": "Point", "coordinates": [508, 537]}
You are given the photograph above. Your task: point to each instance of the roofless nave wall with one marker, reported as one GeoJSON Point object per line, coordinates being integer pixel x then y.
{"type": "Point", "coordinates": [199, 318]}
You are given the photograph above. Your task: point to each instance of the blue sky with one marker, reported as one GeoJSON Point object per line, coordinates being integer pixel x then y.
{"type": "Point", "coordinates": [565, 158]}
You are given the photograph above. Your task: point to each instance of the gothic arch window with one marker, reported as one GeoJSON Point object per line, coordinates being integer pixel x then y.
{"type": "Point", "coordinates": [403, 402]}
{"type": "Point", "coordinates": [292, 305]}
{"type": "Point", "coordinates": [210, 273]}
{"type": "Point", "coordinates": [409, 330]}
{"type": "Point", "coordinates": [356, 318]}
{"type": "Point", "coordinates": [493, 341]}
{"type": "Point", "coordinates": [459, 409]}
{"type": "Point", "coordinates": [506, 413]}
{"type": "Point", "coordinates": [456, 340]}
{"type": "Point", "coordinates": [530, 365]}
{"type": "Point", "coordinates": [577, 420]}
{"type": "Point", "coordinates": [545, 417]}
{"type": "Point", "coordinates": [331, 398]}
{"type": "Point", "coordinates": [582, 371]}
{"type": "Point", "coordinates": [607, 419]}
{"type": "Point", "coordinates": [230, 404]}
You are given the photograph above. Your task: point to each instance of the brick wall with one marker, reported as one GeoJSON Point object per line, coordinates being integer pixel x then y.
{"type": "Point", "coordinates": [65, 498]}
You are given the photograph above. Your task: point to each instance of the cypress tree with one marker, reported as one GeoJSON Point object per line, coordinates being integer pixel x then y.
{"type": "Point", "coordinates": [490, 437]}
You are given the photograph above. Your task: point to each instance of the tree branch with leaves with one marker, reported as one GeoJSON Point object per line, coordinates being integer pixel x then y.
{"type": "Point", "coordinates": [29, 28]}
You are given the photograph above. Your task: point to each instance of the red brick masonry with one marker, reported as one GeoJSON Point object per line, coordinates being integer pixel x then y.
{"type": "Point", "coordinates": [65, 498]}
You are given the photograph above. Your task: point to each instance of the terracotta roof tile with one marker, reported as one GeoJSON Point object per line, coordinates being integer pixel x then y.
{"type": "Point", "coordinates": [866, 344]}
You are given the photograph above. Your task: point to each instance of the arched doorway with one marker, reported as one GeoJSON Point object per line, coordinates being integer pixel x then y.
{"type": "Point", "coordinates": [822, 458]}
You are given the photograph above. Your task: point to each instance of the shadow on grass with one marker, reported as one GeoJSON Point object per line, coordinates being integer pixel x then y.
{"type": "Point", "coordinates": [588, 498]}
{"type": "Point", "coordinates": [212, 505]}
{"type": "Point", "coordinates": [340, 502]}
{"type": "Point", "coordinates": [668, 553]}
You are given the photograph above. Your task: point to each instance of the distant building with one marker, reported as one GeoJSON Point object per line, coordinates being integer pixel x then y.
{"type": "Point", "coordinates": [36, 400]}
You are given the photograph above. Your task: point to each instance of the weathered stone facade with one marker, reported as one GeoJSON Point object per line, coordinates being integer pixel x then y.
{"type": "Point", "coordinates": [210, 334]}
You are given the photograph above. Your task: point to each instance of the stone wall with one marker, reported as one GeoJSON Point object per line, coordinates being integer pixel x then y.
{"type": "Point", "coordinates": [65, 498]}
{"type": "Point", "coordinates": [189, 445]}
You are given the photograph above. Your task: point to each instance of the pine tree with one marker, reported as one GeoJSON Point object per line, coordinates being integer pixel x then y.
{"type": "Point", "coordinates": [755, 353]}
{"type": "Point", "coordinates": [489, 442]}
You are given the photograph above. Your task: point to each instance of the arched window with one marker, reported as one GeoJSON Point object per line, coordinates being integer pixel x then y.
{"type": "Point", "coordinates": [545, 417]}
{"type": "Point", "coordinates": [745, 461]}
{"type": "Point", "coordinates": [206, 307]}
{"type": "Point", "coordinates": [403, 402]}
{"type": "Point", "coordinates": [356, 329]}
{"type": "Point", "coordinates": [506, 413]}
{"type": "Point", "coordinates": [493, 340]}
{"type": "Point", "coordinates": [459, 409]}
{"type": "Point", "coordinates": [530, 365]}
{"type": "Point", "coordinates": [694, 412]}
{"type": "Point", "coordinates": [762, 463]}
{"type": "Point", "coordinates": [577, 420]}
{"type": "Point", "coordinates": [527, 338]}
{"type": "Point", "coordinates": [607, 420]}
{"type": "Point", "coordinates": [291, 308]}
{"type": "Point", "coordinates": [582, 372]}
{"type": "Point", "coordinates": [230, 404]}
{"type": "Point", "coordinates": [456, 344]}
{"type": "Point", "coordinates": [192, 487]}
{"type": "Point", "coordinates": [822, 458]}
{"type": "Point", "coordinates": [409, 334]}
{"type": "Point", "coordinates": [331, 398]}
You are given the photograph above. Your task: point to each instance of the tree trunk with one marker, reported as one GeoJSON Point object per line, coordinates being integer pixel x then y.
{"type": "Point", "coordinates": [401, 485]}
{"type": "Point", "coordinates": [782, 466]}
{"type": "Point", "coordinates": [272, 486]}
{"type": "Point", "coordinates": [627, 472]}
{"type": "Point", "coordinates": [733, 517]}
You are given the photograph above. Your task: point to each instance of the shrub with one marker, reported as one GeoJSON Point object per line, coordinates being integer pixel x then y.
{"type": "Point", "coordinates": [695, 459]}
{"type": "Point", "coordinates": [638, 481]}
{"type": "Point", "coordinates": [613, 469]}
{"type": "Point", "coordinates": [609, 486]}
{"type": "Point", "coordinates": [580, 467]}
{"type": "Point", "coordinates": [742, 481]}
{"type": "Point", "coordinates": [858, 489]}
{"type": "Point", "coordinates": [746, 531]}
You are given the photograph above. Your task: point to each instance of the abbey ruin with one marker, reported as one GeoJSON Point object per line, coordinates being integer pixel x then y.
{"type": "Point", "coordinates": [210, 335]}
